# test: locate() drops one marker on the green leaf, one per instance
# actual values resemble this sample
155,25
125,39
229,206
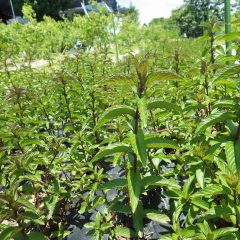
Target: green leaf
160,142
134,188
190,234
217,212
200,177
222,232
142,68
164,105
28,142
51,203
213,119
121,208
154,215
114,112
187,185
193,107
9,232
204,227
124,232
114,184
139,147
223,166
142,107
209,191
111,149
200,203
161,76
24,202
232,127
36,236
121,80
33,217
228,37
228,72
167,237
232,104
237,154
230,156
138,220
159,181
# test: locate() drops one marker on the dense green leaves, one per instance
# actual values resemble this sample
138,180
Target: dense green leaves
106,136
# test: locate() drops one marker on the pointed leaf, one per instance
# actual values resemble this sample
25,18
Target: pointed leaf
114,112
121,208
159,181
114,184
209,191
230,156
124,232
111,149
213,119
28,142
9,232
154,215
134,188
142,107
237,154
138,220
217,212
51,203
232,104
36,236
222,232
161,76
228,37
187,185
200,177
33,217
121,80
139,146
160,142
200,203
228,72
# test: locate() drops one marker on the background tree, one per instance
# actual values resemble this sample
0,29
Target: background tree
194,12
43,7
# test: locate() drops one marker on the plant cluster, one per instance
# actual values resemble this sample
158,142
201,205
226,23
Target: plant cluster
167,119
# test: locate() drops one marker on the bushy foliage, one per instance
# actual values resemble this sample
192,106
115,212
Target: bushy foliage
167,118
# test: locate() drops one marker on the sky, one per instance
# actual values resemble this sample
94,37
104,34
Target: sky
150,9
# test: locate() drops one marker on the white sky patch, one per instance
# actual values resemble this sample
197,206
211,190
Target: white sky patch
150,9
